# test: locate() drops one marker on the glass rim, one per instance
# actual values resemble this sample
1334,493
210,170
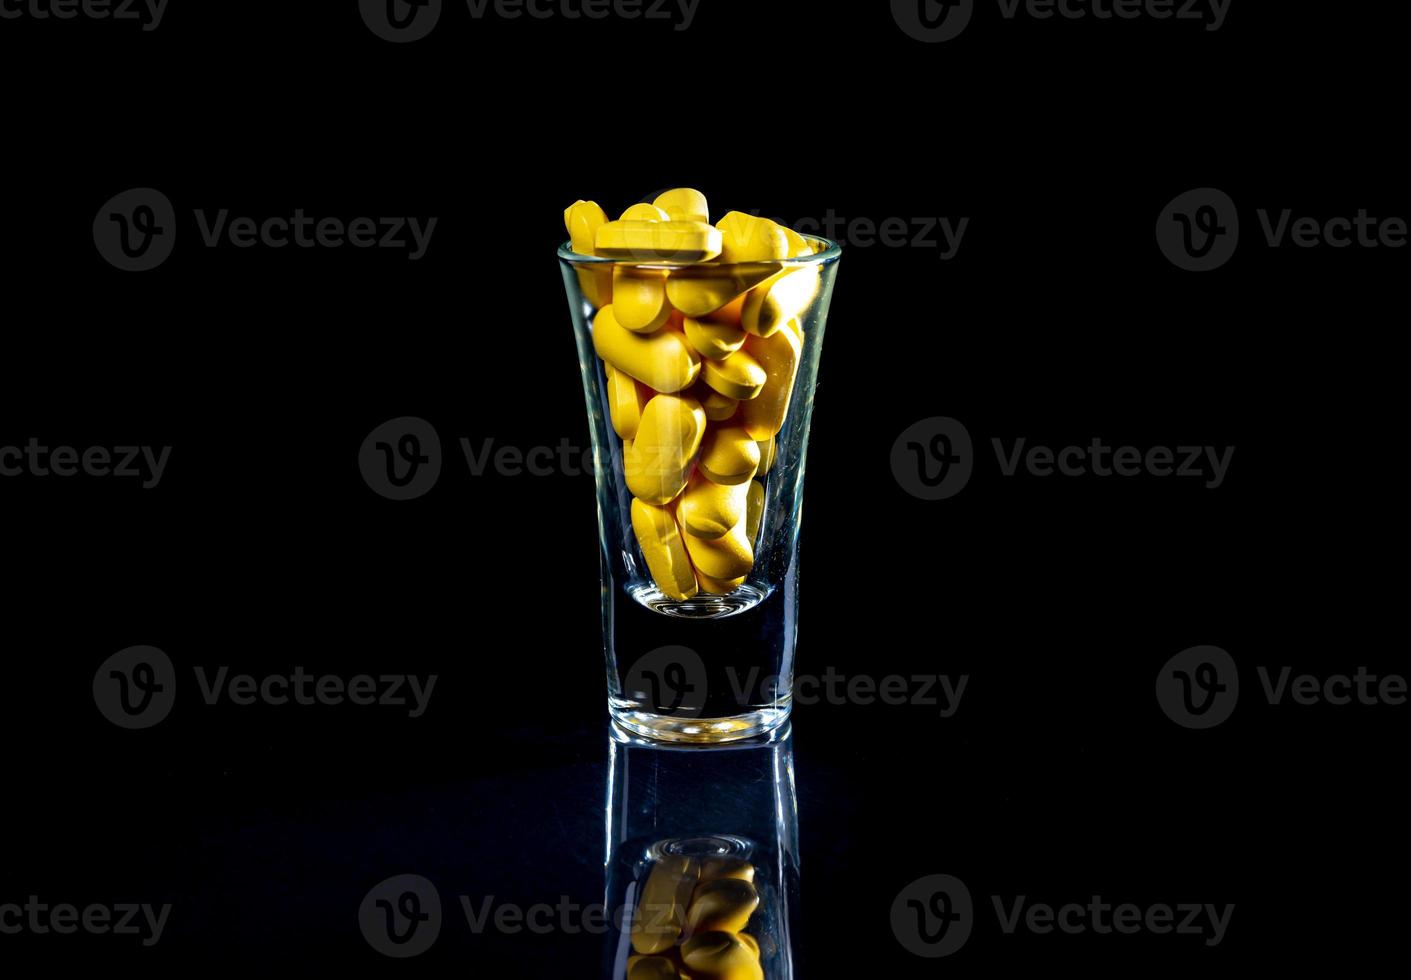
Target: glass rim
831,251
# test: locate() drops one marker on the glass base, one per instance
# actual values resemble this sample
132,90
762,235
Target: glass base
701,731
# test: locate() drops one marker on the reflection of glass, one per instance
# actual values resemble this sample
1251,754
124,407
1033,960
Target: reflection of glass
728,596
702,858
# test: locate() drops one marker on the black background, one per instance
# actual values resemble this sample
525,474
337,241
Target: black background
1058,320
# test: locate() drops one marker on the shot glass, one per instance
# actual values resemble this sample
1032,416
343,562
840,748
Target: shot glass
716,664
702,867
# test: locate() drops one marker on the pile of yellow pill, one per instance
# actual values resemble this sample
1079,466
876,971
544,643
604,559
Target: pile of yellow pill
690,921
700,331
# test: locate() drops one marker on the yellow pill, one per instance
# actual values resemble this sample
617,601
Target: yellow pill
661,911
627,398
644,212
779,355
767,450
651,968
658,241
754,510
798,245
708,509
664,550
715,586
726,867
702,289
739,376
729,456
747,238
583,219
719,334
722,905
662,360
684,204
667,440
779,299
721,956
639,298
723,558
718,407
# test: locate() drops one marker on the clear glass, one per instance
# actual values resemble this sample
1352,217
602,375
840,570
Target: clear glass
713,811
718,665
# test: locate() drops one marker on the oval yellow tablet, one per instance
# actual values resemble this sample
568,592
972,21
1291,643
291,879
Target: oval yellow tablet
721,956
639,298
651,968
729,456
658,241
724,905
748,238
661,910
702,289
684,204
738,376
767,450
627,397
664,449
718,407
715,586
754,510
726,867
719,334
779,299
582,220
708,509
662,360
664,550
725,558
644,212
779,354
798,245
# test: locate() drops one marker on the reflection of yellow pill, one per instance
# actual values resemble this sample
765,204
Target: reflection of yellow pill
661,911
729,455
644,212
664,550
664,449
708,509
721,956
662,360
726,867
684,204
651,968
639,298
627,398
767,450
779,299
748,238
779,355
739,376
658,241
723,905
723,558
754,510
